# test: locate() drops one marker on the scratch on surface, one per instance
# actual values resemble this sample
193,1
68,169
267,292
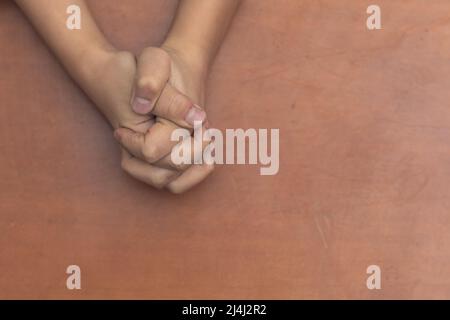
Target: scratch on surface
322,235
414,125
268,74
328,52
419,188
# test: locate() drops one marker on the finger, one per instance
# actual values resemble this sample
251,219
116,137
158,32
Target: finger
153,72
178,108
186,153
151,175
190,178
131,140
153,146
158,140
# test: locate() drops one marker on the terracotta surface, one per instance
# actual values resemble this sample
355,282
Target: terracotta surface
364,173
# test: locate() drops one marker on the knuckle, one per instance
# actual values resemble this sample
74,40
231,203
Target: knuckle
151,153
179,105
180,166
130,141
149,85
175,189
162,180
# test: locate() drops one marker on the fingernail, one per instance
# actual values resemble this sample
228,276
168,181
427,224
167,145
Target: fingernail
195,115
141,105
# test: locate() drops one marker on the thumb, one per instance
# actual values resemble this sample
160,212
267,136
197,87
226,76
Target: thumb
153,72
178,108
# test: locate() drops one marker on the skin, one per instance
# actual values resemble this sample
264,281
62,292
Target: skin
144,101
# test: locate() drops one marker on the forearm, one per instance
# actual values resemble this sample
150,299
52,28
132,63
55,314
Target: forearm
200,26
77,50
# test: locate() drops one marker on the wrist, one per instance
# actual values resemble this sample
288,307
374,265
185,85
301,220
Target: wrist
106,76
92,60
198,58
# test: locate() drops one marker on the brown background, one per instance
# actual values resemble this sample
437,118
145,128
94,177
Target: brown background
364,177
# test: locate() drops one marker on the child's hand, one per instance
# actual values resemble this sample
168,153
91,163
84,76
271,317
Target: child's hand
162,78
169,86
146,154
157,66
